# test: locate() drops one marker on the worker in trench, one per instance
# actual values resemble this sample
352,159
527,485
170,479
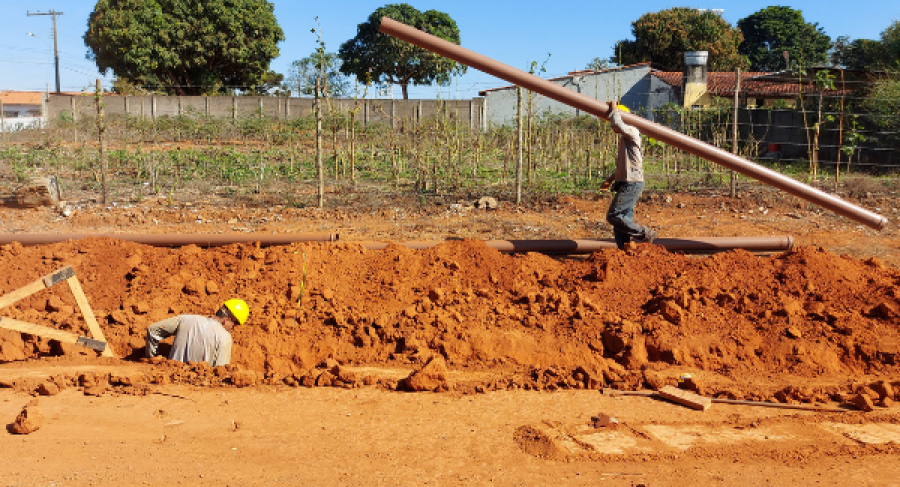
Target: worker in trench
199,338
627,182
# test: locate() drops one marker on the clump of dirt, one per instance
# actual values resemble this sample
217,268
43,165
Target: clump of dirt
802,325
29,420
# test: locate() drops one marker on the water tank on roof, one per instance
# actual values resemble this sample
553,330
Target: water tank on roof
696,58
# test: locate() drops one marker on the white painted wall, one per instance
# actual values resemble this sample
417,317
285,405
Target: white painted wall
633,87
18,123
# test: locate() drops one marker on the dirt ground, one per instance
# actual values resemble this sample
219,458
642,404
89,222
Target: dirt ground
510,355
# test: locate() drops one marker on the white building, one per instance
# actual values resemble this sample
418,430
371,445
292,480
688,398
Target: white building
632,86
22,109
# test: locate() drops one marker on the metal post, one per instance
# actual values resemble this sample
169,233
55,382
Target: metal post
734,127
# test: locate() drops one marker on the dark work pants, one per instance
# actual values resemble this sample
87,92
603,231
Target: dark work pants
621,212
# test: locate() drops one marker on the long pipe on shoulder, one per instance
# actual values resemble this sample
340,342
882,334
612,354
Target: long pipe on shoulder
646,127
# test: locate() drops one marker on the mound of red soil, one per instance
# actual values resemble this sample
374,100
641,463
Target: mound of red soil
621,318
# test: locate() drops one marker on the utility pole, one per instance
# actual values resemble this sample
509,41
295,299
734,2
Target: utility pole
54,14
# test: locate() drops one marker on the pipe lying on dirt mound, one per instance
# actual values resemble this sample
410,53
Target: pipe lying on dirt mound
574,246
176,240
586,246
600,109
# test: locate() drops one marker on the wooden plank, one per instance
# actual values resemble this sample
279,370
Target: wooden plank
42,331
39,285
685,398
51,333
21,293
88,313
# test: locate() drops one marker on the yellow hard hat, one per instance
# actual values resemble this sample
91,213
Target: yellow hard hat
238,309
624,109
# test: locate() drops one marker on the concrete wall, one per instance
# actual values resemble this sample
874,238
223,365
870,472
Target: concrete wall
392,112
633,87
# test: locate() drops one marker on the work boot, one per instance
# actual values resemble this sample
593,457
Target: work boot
649,235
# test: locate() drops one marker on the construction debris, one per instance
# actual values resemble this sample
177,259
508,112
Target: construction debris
685,398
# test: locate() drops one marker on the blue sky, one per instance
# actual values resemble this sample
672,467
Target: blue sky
513,32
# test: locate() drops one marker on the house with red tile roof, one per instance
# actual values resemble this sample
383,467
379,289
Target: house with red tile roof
644,90
22,103
22,109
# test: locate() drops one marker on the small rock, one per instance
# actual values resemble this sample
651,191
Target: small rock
48,389
212,287
604,420
487,203
119,316
54,303
243,378
430,377
344,374
863,402
325,379
884,389
794,332
29,420
868,391
96,390
886,402
195,287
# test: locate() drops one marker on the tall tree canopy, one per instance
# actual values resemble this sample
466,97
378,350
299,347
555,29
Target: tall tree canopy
187,47
856,54
305,71
663,37
373,56
773,30
890,40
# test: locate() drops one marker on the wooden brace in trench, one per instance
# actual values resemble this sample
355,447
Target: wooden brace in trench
98,342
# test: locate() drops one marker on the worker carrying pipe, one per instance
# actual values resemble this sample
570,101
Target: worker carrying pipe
646,127
199,338
627,182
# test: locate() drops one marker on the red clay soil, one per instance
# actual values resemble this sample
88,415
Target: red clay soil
806,325
518,342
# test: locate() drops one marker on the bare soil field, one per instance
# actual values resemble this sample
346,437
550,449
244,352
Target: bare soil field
459,364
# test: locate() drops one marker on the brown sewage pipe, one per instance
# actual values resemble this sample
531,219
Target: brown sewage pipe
600,109
586,246
575,246
173,240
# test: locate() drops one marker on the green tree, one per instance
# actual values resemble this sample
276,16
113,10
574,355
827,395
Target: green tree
598,64
378,57
663,37
187,47
319,64
773,30
856,54
883,106
890,41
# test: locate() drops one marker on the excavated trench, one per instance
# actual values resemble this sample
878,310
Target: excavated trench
805,325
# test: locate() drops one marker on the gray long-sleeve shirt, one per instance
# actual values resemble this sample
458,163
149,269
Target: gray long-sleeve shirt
630,157
197,338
